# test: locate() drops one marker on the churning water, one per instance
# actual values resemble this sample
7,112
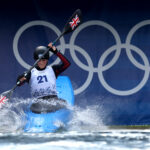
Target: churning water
77,140
84,132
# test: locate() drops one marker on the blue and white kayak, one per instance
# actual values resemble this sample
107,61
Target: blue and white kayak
52,121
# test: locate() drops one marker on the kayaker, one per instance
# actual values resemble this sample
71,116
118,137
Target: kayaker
42,78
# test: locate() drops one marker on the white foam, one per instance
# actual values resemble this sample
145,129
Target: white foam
86,119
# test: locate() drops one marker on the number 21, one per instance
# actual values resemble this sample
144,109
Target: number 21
42,79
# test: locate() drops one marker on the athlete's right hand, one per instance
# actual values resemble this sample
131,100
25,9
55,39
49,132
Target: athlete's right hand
21,80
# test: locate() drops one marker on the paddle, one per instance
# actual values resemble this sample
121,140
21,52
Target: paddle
73,22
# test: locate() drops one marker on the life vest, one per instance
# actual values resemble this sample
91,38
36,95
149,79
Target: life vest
43,82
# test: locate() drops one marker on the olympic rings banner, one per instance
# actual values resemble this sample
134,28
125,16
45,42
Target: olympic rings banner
109,53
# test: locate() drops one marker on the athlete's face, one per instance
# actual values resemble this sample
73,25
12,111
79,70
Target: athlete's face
42,63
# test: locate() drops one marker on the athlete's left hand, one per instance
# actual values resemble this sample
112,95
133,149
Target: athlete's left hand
52,48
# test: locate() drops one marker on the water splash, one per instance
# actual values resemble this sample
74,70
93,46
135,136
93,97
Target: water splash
86,119
12,115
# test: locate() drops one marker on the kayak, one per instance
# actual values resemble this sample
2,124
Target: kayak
52,121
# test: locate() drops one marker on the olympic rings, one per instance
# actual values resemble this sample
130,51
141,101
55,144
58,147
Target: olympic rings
127,92
25,27
90,68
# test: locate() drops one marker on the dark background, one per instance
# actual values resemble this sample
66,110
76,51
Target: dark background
94,40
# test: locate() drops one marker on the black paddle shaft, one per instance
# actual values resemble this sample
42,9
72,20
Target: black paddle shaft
76,20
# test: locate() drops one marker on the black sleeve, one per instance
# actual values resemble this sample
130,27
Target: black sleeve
62,66
28,77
